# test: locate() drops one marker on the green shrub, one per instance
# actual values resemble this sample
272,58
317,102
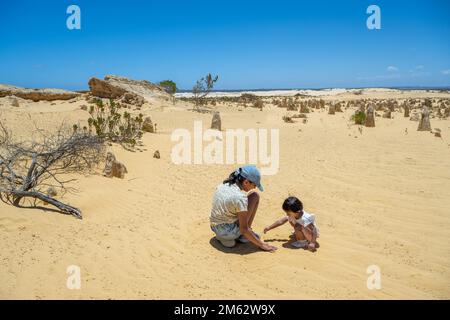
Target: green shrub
169,86
359,117
110,124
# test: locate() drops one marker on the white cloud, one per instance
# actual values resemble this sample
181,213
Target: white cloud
446,72
392,69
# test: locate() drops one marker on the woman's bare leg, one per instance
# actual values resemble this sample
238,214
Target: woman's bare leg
253,201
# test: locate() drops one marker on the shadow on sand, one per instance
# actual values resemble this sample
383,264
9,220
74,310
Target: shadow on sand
240,248
246,248
286,243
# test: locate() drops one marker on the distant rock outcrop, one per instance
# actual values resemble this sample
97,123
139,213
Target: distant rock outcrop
406,113
216,122
131,91
331,109
147,126
37,94
424,124
104,89
370,117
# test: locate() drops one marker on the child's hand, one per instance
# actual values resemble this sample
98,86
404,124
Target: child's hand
266,229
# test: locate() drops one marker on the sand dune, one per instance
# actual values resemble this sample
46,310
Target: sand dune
381,197
330,93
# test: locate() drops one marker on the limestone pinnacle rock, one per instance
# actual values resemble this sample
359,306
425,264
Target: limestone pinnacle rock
37,94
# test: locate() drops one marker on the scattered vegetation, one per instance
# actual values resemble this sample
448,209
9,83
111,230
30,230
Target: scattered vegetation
258,104
248,98
359,117
110,124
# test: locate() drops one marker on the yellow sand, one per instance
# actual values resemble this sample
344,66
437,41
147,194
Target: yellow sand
381,198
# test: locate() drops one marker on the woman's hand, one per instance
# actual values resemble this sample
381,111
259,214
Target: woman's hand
266,229
268,247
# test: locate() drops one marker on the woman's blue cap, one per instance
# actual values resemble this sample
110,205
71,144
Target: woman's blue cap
251,173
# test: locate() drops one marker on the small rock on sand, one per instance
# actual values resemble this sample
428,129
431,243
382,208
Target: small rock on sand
147,126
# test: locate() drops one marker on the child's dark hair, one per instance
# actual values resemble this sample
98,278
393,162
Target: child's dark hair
292,204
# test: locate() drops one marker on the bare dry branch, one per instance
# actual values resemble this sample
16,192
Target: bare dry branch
28,167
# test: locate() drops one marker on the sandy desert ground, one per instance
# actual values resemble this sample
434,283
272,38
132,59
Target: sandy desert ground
381,197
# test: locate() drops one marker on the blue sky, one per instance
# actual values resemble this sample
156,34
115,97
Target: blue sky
249,44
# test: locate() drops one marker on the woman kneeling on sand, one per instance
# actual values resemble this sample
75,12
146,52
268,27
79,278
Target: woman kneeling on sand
234,208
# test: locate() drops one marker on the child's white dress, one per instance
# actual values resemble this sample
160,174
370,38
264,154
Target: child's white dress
306,219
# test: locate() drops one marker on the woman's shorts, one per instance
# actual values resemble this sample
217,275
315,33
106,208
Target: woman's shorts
227,231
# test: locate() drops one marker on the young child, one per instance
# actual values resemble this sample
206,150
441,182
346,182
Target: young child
305,229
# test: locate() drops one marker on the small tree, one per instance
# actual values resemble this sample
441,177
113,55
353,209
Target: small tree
202,88
424,124
170,87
